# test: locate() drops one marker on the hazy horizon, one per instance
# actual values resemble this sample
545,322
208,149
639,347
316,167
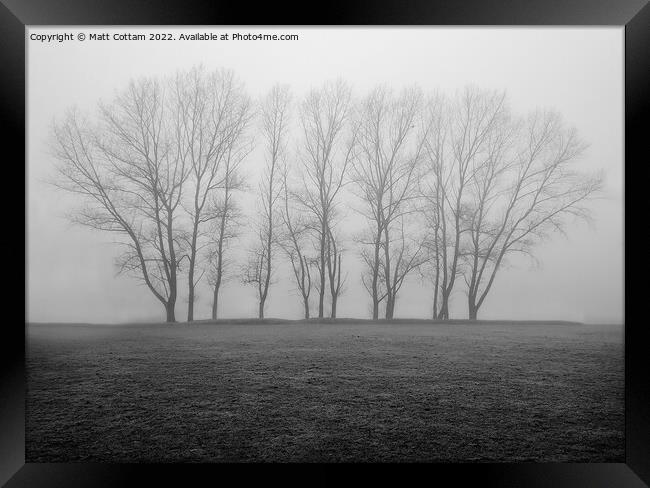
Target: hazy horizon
578,71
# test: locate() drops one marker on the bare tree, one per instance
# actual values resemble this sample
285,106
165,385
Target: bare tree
325,158
486,184
524,190
385,171
434,245
333,256
456,147
227,221
292,243
432,189
275,119
131,172
407,254
212,114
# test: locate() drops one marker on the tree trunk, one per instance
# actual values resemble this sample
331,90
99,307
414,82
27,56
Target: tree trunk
169,309
261,309
390,307
171,303
173,292
473,309
190,305
444,308
323,242
222,230
435,303
190,281
321,300
375,273
334,273
306,303
321,291
389,287
435,288
215,302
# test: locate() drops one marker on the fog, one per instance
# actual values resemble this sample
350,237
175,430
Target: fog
71,273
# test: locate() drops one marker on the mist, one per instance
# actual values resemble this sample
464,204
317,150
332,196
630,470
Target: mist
72,275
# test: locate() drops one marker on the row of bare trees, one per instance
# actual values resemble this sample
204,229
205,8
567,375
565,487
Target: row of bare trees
446,187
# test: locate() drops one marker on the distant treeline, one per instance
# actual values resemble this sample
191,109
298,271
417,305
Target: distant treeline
448,186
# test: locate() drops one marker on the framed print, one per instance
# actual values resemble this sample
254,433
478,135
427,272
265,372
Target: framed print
397,234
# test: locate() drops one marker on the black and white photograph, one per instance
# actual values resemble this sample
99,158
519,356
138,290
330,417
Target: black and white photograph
324,244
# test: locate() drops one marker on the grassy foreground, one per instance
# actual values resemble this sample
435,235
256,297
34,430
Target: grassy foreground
343,391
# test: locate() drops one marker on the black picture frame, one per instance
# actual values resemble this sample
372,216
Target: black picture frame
634,15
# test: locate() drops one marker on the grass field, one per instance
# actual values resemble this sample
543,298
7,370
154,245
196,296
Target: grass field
325,392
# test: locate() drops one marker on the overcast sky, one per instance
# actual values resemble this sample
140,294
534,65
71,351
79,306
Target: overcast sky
577,71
